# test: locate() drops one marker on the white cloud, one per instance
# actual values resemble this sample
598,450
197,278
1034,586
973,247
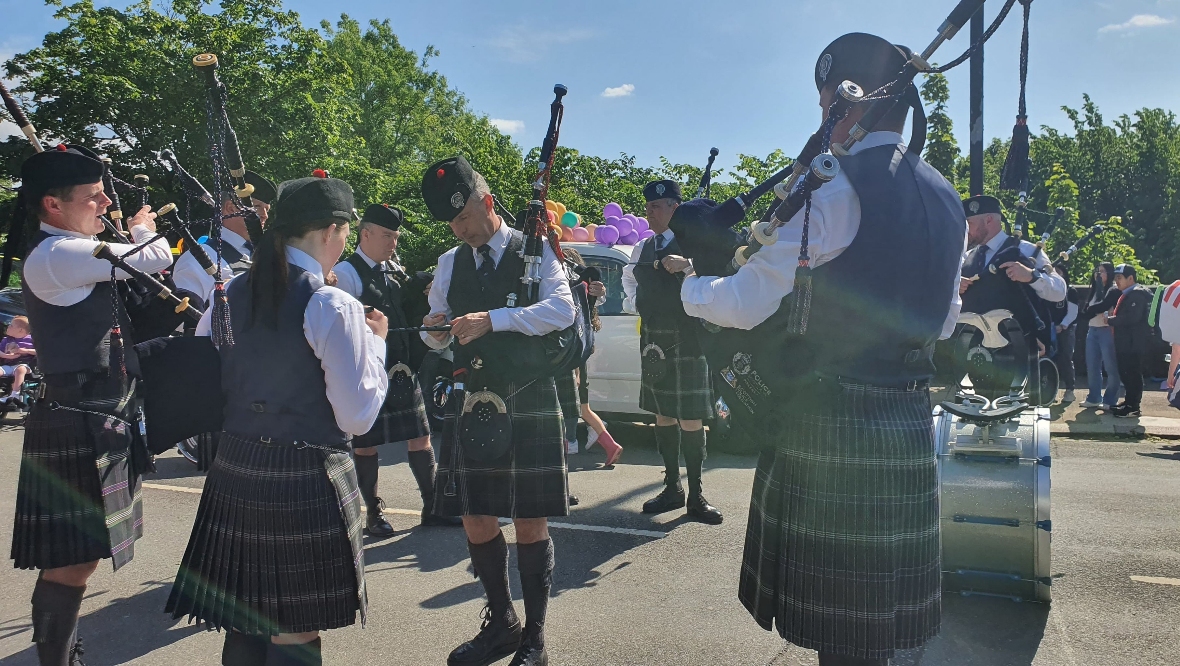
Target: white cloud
507,126
1136,22
624,90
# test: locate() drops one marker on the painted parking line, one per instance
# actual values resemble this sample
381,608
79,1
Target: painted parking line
650,534
1154,580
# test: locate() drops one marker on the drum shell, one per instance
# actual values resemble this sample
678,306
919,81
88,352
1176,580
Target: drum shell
995,506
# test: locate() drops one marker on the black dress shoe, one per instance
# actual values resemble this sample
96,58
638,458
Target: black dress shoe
700,509
497,638
376,525
574,501
530,654
670,499
432,520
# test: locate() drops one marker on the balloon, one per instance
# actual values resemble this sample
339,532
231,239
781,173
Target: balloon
624,226
570,219
561,210
612,210
646,234
593,233
580,234
629,239
551,205
591,227
630,217
552,217
567,235
612,220
607,235
641,225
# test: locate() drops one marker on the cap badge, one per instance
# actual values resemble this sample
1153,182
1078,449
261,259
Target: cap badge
660,188
457,200
825,67
974,206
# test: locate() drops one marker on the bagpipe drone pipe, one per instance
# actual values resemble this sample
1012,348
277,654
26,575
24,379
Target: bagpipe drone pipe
759,371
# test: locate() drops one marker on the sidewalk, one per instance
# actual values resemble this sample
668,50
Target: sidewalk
1159,419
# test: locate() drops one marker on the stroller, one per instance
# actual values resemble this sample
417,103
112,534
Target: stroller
23,401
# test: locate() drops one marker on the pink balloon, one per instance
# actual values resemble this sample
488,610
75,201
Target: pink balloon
580,234
629,239
607,235
624,226
646,234
612,209
567,234
641,225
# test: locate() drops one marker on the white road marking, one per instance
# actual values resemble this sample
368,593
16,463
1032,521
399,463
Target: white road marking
651,534
1156,581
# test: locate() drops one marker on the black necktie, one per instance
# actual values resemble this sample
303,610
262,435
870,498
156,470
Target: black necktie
978,262
659,242
488,266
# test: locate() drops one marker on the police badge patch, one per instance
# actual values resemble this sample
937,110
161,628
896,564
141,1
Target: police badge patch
457,200
825,67
741,363
660,188
974,206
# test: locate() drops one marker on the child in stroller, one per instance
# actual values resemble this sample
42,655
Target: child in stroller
18,357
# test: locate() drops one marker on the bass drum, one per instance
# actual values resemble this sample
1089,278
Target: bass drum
1048,382
994,487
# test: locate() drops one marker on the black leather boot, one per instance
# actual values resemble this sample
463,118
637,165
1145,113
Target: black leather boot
694,463
243,650
303,654
535,561
672,497
55,621
499,635
367,468
425,469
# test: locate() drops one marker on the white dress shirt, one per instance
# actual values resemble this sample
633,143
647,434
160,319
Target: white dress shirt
189,275
629,282
553,311
755,292
63,270
351,355
1169,312
1071,315
347,279
1050,286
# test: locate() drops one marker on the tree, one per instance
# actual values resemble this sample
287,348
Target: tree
942,150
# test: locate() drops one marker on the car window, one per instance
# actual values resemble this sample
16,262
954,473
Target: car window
612,277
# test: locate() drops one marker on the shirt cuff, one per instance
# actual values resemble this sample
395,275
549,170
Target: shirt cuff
501,320
381,348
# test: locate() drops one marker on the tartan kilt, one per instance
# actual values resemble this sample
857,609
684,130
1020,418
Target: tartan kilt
529,481
78,496
276,546
567,396
842,544
397,422
684,392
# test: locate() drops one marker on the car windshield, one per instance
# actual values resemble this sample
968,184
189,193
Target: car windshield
612,277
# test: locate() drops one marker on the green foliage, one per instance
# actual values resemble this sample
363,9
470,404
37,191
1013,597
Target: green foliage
942,150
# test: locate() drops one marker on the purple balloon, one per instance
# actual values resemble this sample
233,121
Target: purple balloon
606,235
641,225
646,234
612,209
629,239
630,217
612,220
624,226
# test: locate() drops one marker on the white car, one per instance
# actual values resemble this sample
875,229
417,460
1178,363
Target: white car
614,368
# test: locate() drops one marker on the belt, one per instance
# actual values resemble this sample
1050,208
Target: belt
297,444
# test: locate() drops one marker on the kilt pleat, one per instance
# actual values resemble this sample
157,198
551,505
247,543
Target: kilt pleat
684,392
272,548
74,505
842,543
399,420
567,396
529,481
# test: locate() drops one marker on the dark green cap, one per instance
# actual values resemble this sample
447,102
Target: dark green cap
308,199
446,187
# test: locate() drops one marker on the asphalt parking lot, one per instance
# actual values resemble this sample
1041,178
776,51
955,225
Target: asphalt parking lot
630,590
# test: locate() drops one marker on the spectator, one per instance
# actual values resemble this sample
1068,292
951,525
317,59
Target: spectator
1131,337
1065,315
16,349
1169,322
1100,354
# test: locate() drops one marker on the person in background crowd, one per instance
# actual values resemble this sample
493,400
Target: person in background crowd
1131,337
16,347
1100,354
1065,317
1169,323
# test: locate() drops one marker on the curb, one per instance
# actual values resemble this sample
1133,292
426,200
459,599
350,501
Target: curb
1157,426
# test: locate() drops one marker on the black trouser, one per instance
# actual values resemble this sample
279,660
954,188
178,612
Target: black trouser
1131,373
1064,358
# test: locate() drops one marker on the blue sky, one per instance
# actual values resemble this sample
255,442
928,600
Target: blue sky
673,79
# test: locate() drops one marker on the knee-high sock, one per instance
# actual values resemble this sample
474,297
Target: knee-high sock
366,477
55,620
535,561
303,654
243,650
668,443
424,468
490,561
693,444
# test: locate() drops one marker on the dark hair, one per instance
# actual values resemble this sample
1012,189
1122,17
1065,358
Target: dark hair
1098,289
576,259
268,274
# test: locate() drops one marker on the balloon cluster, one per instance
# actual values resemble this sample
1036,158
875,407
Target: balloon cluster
619,228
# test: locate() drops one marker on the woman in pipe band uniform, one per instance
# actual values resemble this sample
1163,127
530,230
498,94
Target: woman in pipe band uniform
78,497
528,482
675,376
368,275
275,554
842,544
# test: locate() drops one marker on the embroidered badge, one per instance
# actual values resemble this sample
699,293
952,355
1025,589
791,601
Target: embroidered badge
974,206
825,67
457,200
741,363
660,188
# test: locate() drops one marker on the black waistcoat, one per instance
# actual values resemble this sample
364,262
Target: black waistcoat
238,262
657,292
994,291
77,338
273,382
383,293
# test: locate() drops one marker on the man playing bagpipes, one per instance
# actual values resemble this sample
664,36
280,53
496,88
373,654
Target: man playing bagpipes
505,456
842,545
78,497
369,275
